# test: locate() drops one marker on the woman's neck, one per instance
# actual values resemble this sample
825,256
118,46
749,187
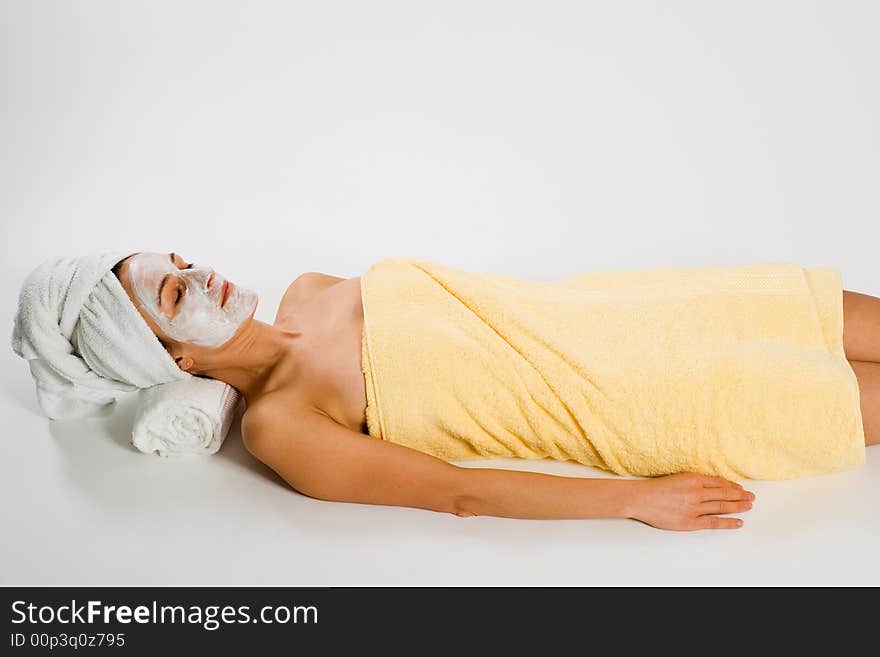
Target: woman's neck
253,360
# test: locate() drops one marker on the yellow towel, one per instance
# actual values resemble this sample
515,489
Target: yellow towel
737,371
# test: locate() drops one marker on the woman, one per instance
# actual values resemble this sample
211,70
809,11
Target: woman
303,378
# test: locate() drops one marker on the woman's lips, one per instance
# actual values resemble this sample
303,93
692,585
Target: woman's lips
225,291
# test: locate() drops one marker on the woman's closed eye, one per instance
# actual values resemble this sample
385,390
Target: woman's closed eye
170,298
179,293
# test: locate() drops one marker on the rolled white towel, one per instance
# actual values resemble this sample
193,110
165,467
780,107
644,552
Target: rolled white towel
190,416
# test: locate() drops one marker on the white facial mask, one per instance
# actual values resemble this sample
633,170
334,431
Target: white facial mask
198,317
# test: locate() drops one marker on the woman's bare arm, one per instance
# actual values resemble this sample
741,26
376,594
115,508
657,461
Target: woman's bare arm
323,459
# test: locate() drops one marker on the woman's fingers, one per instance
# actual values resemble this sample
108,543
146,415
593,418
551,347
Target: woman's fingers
718,482
714,522
729,494
719,506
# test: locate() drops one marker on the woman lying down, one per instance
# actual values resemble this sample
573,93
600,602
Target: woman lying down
681,380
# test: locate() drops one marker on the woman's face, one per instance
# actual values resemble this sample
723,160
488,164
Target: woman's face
189,303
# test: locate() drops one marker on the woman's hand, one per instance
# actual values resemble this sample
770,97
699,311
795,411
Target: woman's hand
689,501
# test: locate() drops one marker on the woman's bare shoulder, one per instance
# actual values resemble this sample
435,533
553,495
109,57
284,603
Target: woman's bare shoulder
271,415
303,288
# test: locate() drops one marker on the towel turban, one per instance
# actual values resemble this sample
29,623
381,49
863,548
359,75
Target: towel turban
84,340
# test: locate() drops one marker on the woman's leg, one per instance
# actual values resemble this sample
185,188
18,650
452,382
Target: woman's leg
861,327
868,376
861,342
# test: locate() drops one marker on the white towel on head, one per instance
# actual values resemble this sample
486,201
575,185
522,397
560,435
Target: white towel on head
85,342
191,416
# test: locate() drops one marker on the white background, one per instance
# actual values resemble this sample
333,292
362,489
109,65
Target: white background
535,139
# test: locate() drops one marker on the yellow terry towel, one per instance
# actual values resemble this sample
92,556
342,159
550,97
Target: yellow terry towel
737,371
